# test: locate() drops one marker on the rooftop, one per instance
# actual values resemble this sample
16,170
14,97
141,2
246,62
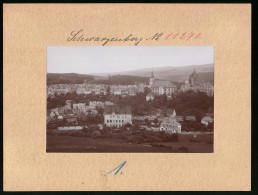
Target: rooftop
163,84
117,109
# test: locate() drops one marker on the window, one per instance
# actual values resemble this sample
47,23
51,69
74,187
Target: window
107,120
122,121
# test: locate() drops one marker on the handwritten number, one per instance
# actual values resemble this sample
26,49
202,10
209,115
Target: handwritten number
119,167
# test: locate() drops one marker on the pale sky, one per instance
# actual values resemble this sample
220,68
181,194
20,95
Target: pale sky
110,59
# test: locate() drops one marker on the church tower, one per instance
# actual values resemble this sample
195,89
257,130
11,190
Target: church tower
193,78
152,79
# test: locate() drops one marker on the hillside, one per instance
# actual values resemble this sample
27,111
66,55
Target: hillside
176,73
66,78
73,78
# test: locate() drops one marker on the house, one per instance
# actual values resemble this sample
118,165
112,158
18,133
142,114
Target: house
165,112
169,97
180,118
209,114
95,104
79,108
100,126
71,118
149,97
117,115
92,112
170,125
190,118
69,103
108,103
206,120
169,112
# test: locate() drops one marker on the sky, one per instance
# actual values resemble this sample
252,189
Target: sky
110,59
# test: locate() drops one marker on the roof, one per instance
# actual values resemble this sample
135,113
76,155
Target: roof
150,95
166,111
163,84
117,109
170,120
70,116
207,118
190,117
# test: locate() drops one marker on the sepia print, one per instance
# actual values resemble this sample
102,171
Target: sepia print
117,99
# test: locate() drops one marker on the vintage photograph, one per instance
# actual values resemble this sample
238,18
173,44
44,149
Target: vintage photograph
130,99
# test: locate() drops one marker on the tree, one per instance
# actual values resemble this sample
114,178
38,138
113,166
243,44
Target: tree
147,91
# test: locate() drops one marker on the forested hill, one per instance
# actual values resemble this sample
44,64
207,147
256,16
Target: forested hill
67,78
73,78
124,80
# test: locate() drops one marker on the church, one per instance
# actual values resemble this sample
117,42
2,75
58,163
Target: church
195,84
161,87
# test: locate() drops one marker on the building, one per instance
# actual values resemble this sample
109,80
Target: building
69,103
149,97
205,87
190,118
195,84
71,118
206,120
117,116
95,104
170,125
161,87
180,118
79,108
165,112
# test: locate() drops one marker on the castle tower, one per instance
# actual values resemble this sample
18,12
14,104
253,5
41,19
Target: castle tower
152,79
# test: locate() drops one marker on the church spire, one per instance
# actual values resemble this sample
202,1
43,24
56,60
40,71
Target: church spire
152,75
194,73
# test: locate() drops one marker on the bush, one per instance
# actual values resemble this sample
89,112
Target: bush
95,134
49,132
152,139
171,138
157,145
194,140
183,149
170,147
209,142
60,133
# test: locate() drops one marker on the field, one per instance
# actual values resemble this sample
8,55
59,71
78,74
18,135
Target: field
186,144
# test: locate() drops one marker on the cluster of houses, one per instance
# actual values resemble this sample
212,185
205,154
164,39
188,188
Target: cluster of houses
95,89
71,109
118,116
161,87
156,86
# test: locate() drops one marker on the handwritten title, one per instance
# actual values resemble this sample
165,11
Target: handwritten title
80,36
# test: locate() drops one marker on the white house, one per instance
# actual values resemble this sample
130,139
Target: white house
170,125
206,120
79,108
149,97
117,115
